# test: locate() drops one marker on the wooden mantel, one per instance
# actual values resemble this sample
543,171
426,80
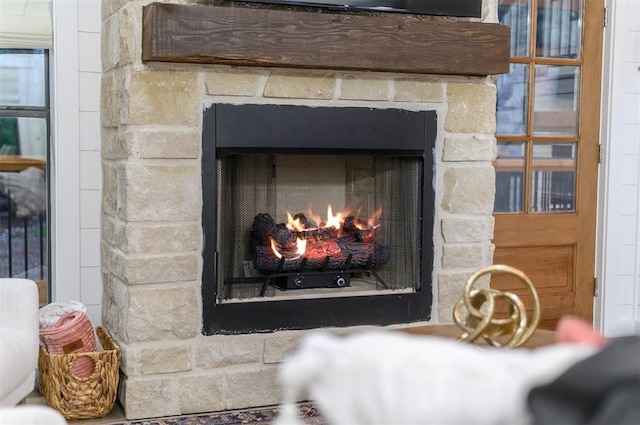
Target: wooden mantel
240,35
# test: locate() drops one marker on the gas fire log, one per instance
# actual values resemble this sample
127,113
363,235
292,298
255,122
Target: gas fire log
328,248
266,262
353,225
264,228
285,236
262,224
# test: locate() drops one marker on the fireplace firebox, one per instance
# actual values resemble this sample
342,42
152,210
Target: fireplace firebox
316,217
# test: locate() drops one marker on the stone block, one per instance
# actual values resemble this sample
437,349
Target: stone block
129,359
469,190
300,86
365,88
203,392
176,143
465,230
451,290
106,252
165,143
491,223
163,313
163,237
157,192
462,256
161,268
113,231
110,91
111,6
472,108
223,351
418,91
489,11
114,260
474,148
112,314
165,357
112,146
109,189
115,301
229,82
278,348
164,97
150,397
118,41
252,387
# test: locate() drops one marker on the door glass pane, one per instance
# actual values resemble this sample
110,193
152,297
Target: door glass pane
556,100
553,172
559,28
23,77
511,107
509,166
516,15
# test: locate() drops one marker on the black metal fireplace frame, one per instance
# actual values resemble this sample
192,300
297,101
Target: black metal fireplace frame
325,130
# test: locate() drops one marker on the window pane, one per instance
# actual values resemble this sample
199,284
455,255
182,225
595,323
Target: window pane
22,77
24,117
509,166
516,15
553,177
558,31
512,100
556,100
24,136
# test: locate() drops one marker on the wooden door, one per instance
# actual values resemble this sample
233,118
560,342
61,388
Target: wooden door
548,151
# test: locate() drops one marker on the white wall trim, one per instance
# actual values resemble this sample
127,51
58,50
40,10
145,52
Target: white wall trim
65,176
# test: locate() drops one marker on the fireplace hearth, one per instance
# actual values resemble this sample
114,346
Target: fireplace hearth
267,269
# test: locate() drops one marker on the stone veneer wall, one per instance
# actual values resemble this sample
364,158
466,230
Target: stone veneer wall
151,228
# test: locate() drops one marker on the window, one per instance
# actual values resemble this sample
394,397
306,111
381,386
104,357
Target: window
24,143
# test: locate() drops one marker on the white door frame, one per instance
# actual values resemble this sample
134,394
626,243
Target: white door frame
616,310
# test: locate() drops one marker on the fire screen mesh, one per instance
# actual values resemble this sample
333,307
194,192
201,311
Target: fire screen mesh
375,249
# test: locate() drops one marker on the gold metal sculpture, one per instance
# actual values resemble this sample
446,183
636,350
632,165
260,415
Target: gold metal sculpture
481,320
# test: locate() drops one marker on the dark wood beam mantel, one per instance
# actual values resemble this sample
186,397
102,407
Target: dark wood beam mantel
247,36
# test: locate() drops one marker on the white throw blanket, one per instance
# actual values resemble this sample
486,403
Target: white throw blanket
386,377
50,313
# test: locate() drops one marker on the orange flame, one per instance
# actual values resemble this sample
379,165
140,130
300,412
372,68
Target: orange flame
294,224
300,243
373,219
334,221
274,248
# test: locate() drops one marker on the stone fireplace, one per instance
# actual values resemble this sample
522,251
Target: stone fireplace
154,256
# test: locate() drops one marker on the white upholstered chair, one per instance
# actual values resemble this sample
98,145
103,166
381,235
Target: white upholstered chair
31,415
18,339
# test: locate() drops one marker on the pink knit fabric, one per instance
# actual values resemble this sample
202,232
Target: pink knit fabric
72,333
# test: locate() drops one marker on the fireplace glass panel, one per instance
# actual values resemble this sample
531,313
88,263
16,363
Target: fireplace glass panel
377,251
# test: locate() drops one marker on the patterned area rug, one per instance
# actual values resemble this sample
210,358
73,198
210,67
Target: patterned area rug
264,416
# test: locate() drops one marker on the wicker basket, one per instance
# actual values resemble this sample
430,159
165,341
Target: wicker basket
77,397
